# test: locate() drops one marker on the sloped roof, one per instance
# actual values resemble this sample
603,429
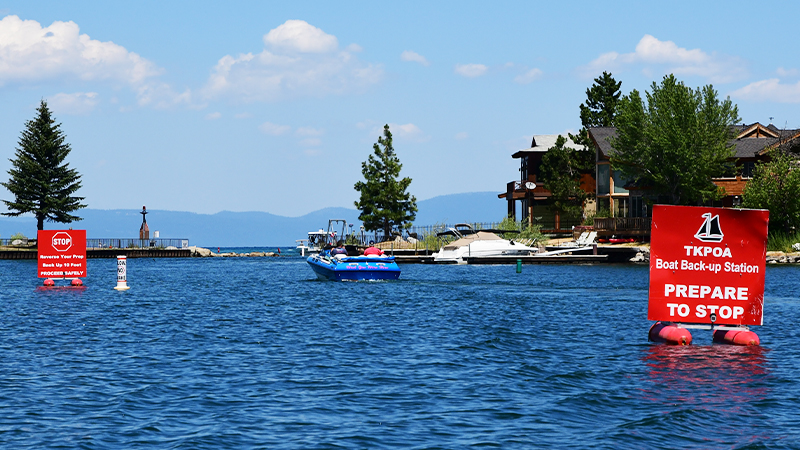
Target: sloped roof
601,135
543,142
746,147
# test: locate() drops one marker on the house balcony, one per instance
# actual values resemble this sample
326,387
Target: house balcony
622,226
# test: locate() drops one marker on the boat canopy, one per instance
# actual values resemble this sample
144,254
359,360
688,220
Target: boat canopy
466,240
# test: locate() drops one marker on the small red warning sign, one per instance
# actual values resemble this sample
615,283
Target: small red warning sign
61,253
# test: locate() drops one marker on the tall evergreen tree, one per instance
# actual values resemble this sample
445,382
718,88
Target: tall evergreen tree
561,173
600,109
676,142
41,182
384,203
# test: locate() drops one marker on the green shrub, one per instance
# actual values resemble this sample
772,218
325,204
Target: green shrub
525,231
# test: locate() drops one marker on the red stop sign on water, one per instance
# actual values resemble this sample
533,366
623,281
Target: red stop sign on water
61,253
62,241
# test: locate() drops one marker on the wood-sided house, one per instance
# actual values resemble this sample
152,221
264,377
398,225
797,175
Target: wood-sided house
531,192
626,202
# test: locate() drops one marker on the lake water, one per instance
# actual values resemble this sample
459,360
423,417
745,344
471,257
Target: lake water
255,353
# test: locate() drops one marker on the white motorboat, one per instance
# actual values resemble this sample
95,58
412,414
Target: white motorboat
478,243
317,240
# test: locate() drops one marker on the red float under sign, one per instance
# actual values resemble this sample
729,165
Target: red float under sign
707,265
62,253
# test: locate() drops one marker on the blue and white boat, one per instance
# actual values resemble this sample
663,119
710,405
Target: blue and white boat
354,268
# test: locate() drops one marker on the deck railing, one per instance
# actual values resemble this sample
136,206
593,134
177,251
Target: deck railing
623,225
137,243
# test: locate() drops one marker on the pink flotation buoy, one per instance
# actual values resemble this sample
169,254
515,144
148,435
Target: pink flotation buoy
76,282
736,337
669,334
49,282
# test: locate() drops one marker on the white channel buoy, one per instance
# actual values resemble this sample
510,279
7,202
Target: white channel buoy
122,273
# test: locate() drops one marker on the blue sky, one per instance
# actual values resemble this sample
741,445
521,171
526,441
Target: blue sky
272,106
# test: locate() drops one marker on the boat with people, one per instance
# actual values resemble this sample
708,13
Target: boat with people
339,262
479,243
354,268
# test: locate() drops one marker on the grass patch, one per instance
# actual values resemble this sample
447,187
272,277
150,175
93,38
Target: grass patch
780,241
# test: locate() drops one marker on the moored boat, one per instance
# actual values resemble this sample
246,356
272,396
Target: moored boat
354,268
481,243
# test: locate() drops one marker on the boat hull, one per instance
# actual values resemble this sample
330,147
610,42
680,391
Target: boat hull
361,268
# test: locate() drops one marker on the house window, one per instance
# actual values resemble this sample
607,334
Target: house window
603,181
638,207
602,207
524,168
619,182
621,207
747,169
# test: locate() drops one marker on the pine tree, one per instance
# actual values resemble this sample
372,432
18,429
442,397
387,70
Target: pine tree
600,109
384,203
561,173
41,182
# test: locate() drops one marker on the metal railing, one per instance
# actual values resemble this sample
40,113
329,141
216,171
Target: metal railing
17,242
137,243
622,224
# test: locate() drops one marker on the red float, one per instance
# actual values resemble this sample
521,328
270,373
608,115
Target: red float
736,337
669,334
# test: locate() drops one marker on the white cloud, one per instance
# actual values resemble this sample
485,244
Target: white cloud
308,131
410,56
76,103
654,56
300,36
782,72
471,70
29,51
408,131
244,115
311,142
160,95
299,60
771,90
461,136
32,53
274,129
214,115
528,77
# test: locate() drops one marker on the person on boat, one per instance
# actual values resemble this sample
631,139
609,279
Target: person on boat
339,251
373,251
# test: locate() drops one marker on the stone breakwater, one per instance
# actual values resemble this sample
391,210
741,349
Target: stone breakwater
643,256
783,258
206,253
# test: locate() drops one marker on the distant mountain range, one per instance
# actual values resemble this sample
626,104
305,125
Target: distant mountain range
242,229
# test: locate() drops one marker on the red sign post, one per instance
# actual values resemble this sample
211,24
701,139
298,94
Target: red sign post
707,265
62,253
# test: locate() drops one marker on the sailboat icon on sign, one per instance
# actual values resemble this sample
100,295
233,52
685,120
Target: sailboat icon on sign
710,230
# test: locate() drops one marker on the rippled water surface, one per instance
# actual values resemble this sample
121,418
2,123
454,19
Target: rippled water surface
255,353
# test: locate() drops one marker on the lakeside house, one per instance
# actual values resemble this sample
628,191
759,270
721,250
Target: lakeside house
531,192
622,203
625,203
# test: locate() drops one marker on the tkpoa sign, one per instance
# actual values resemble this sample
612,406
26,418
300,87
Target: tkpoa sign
62,253
707,265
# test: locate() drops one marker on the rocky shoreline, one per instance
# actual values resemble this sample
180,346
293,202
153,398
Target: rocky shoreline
643,256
